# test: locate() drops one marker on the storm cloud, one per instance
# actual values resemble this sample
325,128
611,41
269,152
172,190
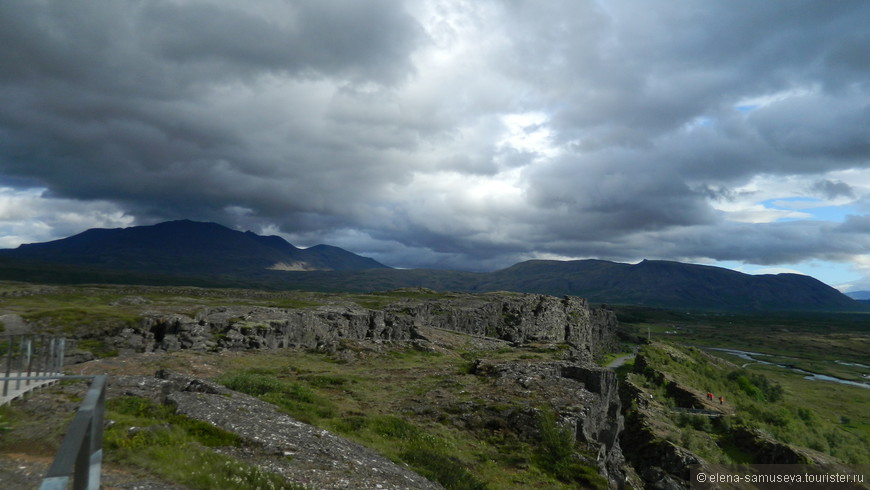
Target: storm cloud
447,133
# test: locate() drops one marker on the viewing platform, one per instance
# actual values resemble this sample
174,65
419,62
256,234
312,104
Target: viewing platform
16,384
29,362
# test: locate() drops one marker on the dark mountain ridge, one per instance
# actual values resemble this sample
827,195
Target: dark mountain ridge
208,254
188,247
671,284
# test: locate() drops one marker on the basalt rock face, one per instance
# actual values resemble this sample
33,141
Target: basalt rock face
661,464
585,399
519,318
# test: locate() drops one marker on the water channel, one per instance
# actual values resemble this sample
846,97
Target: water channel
753,357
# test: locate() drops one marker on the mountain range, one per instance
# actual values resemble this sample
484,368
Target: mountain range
188,248
209,254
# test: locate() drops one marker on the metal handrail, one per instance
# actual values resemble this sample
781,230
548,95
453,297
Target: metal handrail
80,456
29,357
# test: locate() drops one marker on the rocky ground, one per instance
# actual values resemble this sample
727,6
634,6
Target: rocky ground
23,466
276,442
544,348
279,444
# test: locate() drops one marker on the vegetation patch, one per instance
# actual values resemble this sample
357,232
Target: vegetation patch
175,447
98,348
296,398
381,400
558,456
4,421
762,398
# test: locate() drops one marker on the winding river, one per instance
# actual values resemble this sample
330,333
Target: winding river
754,357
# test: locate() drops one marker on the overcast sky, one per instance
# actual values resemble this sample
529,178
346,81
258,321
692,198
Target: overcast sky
450,133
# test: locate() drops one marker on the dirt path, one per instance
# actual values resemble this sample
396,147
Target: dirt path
619,361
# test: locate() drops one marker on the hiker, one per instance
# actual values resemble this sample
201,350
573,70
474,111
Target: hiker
721,400
709,396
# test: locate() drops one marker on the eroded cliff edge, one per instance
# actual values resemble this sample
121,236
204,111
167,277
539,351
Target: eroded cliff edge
518,318
512,395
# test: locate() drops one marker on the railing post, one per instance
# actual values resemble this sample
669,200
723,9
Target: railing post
51,354
8,364
96,437
20,362
29,358
81,452
40,368
26,361
60,355
82,469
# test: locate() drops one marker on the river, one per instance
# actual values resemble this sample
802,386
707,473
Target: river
753,357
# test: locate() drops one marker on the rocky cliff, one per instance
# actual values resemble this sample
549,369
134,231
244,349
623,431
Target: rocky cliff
661,464
584,397
509,398
518,318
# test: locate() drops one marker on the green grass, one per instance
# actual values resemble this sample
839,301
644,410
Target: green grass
298,399
825,417
393,436
376,301
557,455
176,448
4,420
96,347
80,319
372,400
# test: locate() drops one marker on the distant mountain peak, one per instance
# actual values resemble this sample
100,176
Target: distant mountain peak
189,247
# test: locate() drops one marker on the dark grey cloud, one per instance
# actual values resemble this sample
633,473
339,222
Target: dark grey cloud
172,48
833,189
446,133
360,41
153,104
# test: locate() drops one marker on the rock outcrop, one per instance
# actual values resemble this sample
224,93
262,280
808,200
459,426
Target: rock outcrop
767,450
585,399
518,318
660,463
